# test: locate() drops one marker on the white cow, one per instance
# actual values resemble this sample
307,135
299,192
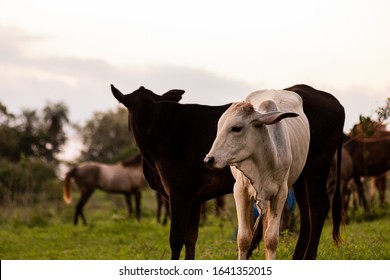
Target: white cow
265,140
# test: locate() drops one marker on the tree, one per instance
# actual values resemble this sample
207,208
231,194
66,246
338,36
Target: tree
384,111
55,117
368,126
29,144
107,138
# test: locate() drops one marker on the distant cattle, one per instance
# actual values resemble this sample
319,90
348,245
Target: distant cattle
265,140
162,203
345,177
123,178
370,157
173,139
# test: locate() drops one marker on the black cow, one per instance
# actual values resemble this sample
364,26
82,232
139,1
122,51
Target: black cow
326,119
173,139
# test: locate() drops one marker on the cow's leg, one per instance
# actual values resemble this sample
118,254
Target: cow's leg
319,206
301,196
192,231
80,205
159,205
380,184
244,207
360,190
274,214
180,213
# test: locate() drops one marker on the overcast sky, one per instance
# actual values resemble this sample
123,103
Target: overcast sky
218,51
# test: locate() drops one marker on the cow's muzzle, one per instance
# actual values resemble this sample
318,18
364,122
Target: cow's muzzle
209,161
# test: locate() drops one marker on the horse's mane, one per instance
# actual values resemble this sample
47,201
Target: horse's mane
136,161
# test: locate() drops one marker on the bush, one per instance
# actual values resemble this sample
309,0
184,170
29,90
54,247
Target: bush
27,182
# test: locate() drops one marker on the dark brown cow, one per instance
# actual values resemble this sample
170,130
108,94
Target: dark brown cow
173,139
371,157
345,176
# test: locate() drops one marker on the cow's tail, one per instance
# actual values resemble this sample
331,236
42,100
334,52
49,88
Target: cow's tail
68,185
257,235
337,208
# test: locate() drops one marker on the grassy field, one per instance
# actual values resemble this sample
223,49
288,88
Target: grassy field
46,232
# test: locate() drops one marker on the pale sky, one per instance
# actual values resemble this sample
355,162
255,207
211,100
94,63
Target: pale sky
218,51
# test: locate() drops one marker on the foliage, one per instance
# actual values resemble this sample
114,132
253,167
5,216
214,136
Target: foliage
29,145
384,111
33,134
368,126
107,138
26,181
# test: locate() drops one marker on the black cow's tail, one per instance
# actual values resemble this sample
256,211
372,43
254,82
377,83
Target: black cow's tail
257,235
338,214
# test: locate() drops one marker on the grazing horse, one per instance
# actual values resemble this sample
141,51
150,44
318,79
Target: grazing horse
168,135
124,178
265,140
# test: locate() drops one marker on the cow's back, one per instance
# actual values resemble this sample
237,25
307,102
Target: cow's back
297,128
326,119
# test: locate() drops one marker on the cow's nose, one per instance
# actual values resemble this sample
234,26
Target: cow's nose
209,161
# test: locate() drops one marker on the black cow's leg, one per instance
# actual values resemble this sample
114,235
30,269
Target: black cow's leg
301,195
319,208
192,231
180,212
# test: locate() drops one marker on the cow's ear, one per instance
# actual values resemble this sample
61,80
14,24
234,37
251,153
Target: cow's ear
173,95
117,94
271,117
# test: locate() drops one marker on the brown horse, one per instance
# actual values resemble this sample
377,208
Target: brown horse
124,178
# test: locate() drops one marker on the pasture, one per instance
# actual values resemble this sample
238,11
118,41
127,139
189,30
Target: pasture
46,232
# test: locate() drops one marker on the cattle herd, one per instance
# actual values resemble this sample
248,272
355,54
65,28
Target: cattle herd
257,149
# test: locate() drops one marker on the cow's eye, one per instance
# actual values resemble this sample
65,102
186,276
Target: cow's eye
236,128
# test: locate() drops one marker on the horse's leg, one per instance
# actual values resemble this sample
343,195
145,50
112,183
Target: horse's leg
80,205
128,203
138,204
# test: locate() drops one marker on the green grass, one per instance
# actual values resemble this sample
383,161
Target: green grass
46,232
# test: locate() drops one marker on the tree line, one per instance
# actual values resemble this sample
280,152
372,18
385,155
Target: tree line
31,143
